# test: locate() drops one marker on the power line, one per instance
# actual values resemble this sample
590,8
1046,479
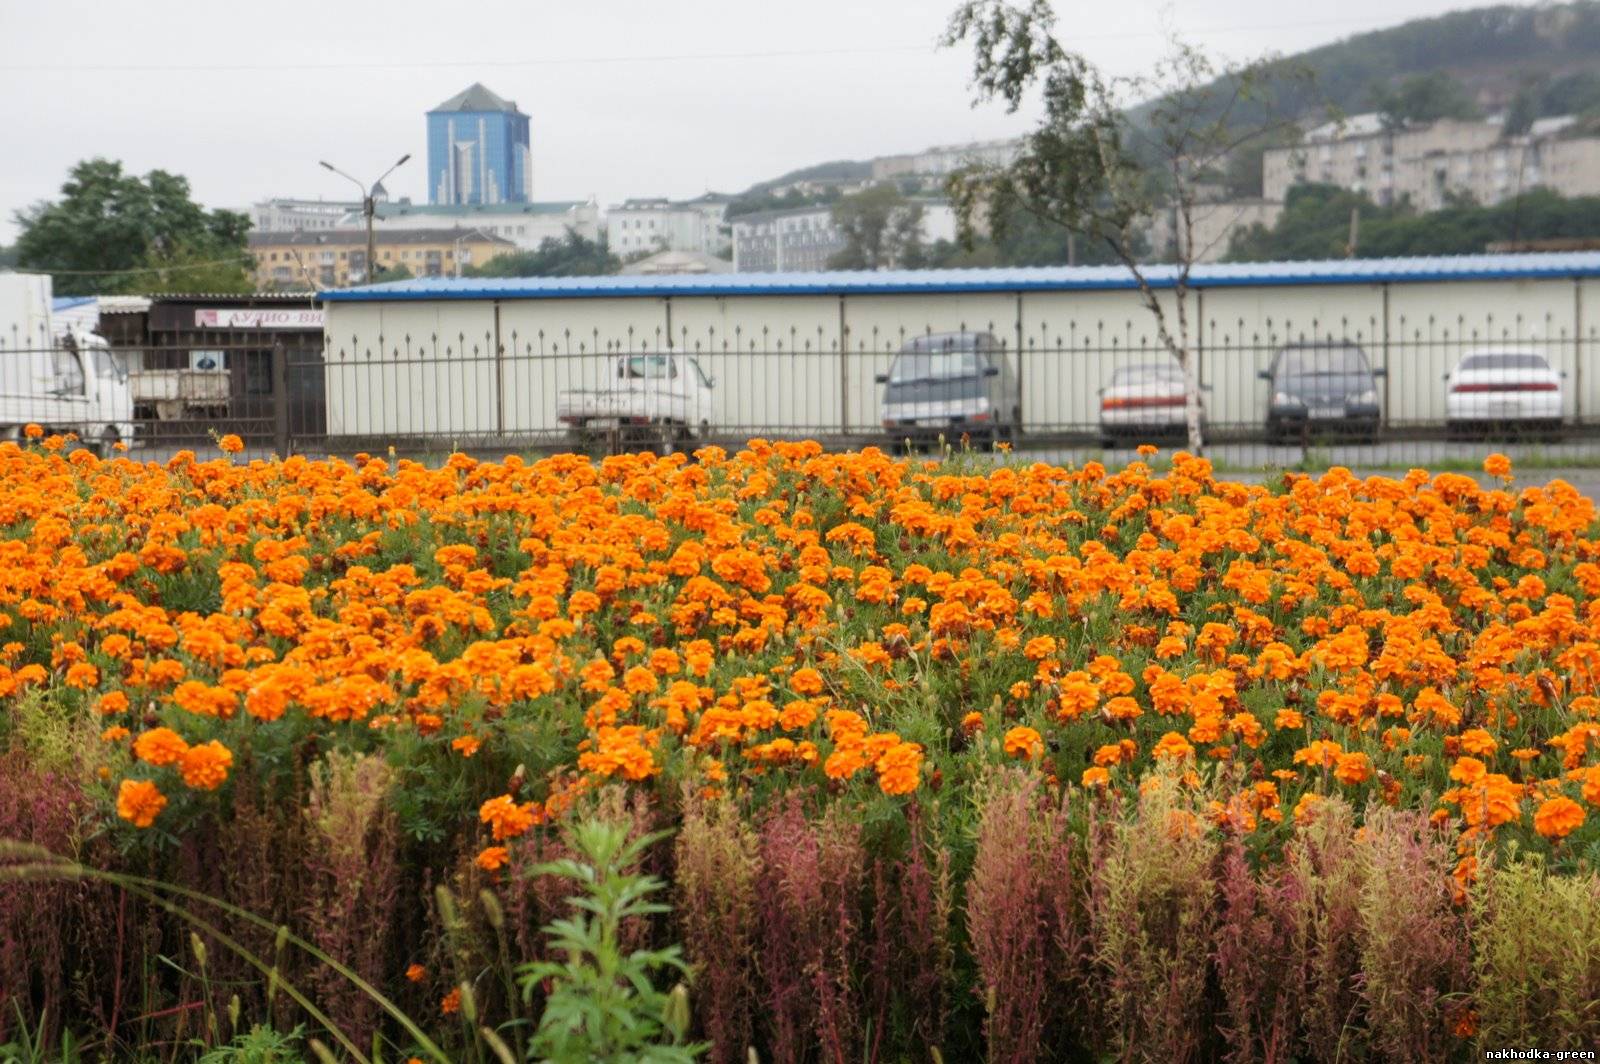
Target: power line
610,60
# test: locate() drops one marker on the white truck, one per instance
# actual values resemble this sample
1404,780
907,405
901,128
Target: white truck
202,390
62,378
647,401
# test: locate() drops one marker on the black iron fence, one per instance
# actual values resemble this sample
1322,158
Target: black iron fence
1350,392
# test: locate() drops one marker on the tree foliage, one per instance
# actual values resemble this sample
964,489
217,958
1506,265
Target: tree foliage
881,228
574,255
1316,220
112,231
1424,98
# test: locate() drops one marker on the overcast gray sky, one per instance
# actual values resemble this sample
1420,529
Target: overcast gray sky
627,97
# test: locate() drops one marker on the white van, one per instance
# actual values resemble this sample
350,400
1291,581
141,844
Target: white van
63,379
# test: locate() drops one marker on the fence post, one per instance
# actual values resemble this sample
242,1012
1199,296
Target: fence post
1577,350
281,441
844,371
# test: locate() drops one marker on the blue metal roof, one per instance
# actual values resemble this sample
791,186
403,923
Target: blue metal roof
68,302
1510,267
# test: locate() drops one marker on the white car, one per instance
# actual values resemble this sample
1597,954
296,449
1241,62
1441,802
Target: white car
1142,401
1503,387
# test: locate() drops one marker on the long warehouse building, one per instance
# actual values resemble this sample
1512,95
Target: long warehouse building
800,354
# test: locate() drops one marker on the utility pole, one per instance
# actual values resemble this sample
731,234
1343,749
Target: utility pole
369,207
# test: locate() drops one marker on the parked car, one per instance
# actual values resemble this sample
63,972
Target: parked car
649,401
1503,387
1322,388
951,384
1143,401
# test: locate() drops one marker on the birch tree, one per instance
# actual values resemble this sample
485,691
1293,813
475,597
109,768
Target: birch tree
1111,151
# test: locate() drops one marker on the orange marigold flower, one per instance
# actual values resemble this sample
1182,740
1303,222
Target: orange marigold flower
972,721
112,702
159,746
1558,817
416,973
113,734
806,681
1497,465
450,1004
1172,747
32,431
466,745
140,802
82,675
230,444
899,768
1095,776
1023,741
492,858
1288,720
205,767
1352,769
506,818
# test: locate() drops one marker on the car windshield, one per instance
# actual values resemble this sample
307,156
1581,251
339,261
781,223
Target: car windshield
935,366
1152,372
647,367
1505,360
1306,361
108,364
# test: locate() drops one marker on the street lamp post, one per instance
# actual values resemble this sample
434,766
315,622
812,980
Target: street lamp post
368,209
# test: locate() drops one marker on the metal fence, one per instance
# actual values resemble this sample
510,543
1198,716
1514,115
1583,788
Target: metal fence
1348,392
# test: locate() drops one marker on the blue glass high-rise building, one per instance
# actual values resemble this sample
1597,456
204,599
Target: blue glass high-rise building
478,151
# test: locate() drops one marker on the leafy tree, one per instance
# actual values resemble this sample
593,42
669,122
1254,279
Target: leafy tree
754,201
574,255
8,257
881,229
1424,98
398,272
112,232
1091,167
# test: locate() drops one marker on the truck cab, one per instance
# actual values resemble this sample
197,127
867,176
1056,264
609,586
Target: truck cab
64,379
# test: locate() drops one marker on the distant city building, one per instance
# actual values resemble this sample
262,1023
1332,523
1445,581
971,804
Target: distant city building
285,215
663,262
805,238
1431,162
940,162
798,240
650,225
527,225
336,258
478,150
1213,226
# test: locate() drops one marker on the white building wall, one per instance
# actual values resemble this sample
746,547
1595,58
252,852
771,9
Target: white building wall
778,364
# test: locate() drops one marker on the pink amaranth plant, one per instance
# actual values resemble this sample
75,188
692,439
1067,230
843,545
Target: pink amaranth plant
1009,921
717,860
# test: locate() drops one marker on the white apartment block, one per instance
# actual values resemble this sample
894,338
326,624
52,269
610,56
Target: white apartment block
526,225
945,160
284,215
803,239
1429,163
646,226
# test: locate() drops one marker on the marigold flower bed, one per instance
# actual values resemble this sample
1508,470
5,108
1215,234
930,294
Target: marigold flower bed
819,646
